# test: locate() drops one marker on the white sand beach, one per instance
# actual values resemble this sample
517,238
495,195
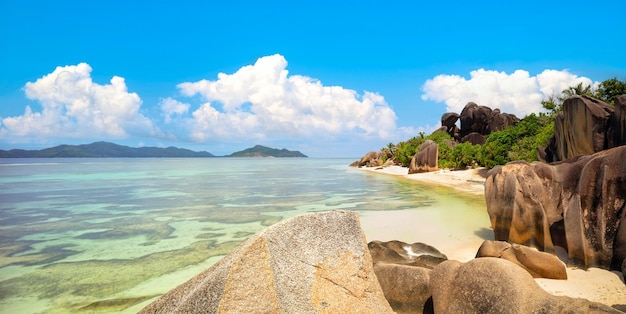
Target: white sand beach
593,284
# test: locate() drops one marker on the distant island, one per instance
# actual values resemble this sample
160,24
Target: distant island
102,150
263,151
111,150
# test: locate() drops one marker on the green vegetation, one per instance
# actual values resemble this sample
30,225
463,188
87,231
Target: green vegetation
517,142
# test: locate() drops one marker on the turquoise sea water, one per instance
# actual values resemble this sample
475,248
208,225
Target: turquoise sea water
110,235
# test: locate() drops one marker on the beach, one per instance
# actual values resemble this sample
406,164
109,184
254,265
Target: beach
594,284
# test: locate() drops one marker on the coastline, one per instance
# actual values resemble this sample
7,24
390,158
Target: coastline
593,284
470,180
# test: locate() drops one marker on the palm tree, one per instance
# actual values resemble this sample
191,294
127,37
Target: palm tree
577,90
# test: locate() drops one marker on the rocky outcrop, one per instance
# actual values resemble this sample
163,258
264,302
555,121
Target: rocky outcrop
494,285
579,204
314,263
537,264
403,271
474,138
426,159
398,252
371,159
474,118
586,126
618,123
448,124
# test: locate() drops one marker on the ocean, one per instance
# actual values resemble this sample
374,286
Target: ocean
110,235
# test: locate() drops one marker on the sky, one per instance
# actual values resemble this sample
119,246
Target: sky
327,78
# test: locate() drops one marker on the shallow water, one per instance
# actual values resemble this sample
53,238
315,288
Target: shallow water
109,235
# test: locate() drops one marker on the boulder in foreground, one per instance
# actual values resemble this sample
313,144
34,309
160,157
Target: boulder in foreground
538,264
314,263
494,285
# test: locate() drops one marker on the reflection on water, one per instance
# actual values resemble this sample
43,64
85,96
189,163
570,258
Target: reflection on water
109,235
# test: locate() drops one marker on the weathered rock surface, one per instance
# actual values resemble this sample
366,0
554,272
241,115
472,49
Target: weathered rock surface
494,285
314,263
474,138
579,204
474,118
403,271
537,264
401,253
448,124
426,159
586,126
618,123
405,287
476,122
371,159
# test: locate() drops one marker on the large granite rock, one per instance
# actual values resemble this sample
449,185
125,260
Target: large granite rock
579,204
618,123
426,159
448,124
585,126
474,118
537,264
499,121
494,285
314,263
403,271
401,253
474,138
371,159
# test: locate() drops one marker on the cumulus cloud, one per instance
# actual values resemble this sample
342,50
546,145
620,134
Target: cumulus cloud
262,100
172,107
74,106
518,93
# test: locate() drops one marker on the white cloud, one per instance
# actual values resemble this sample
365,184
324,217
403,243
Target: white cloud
262,100
74,106
172,107
518,93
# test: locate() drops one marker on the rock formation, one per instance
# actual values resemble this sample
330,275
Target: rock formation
403,271
494,285
314,263
579,204
586,126
618,123
474,138
398,252
448,124
426,159
537,264
371,159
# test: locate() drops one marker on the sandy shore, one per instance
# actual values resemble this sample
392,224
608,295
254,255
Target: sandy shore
593,284
470,181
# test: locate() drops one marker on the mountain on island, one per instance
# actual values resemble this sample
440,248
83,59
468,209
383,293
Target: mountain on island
102,150
263,151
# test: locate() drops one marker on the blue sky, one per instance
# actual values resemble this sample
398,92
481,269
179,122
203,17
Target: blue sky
328,78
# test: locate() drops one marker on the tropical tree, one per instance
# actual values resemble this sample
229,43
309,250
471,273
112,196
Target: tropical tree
610,89
579,89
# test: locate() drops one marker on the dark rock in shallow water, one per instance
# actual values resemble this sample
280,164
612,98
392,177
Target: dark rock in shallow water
494,285
537,264
314,263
